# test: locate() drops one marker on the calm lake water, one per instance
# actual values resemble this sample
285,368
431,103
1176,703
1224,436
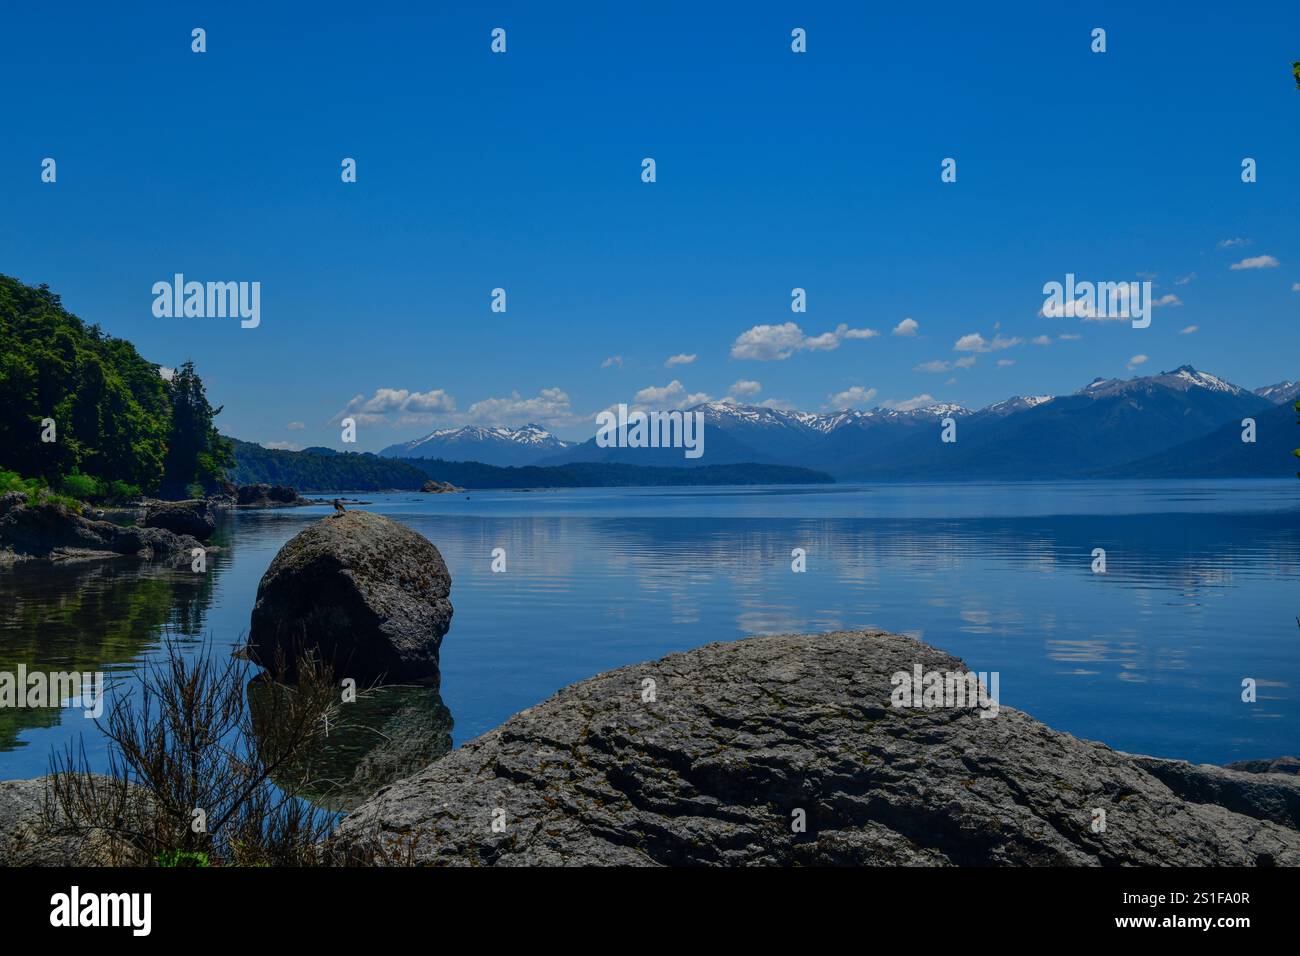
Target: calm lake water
1200,592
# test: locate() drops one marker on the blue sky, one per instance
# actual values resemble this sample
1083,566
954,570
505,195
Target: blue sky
774,170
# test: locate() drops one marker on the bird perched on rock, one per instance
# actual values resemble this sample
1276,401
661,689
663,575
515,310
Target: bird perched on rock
338,508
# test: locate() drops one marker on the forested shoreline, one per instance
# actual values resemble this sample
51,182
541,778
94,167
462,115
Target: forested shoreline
83,414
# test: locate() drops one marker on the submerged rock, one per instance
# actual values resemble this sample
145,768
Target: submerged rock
732,746
440,488
371,595
270,496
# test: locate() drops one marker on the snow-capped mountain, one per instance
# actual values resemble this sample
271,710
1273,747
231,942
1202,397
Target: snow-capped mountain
736,416
1283,393
1019,403
1181,379
1097,430
491,445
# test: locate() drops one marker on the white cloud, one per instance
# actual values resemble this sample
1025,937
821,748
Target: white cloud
907,328
1042,340
745,388
282,445
1167,299
612,361
974,342
672,395
385,402
296,426
1003,363
1069,337
1183,280
1135,361
822,343
857,395
165,373
1255,262
680,359
1189,330
936,366
1295,286
549,406
966,361
1231,243
844,332
766,343
430,402
910,404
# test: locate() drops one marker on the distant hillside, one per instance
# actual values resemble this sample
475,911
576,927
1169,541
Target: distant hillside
327,471
469,474
1222,453
320,470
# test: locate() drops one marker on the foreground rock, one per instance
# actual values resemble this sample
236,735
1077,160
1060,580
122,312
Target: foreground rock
1264,795
743,736
24,841
367,592
1287,765
193,517
50,532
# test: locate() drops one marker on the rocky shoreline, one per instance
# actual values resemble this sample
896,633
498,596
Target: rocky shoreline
778,750
151,528
50,532
744,739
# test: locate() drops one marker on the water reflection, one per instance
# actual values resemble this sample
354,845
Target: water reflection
1200,591
386,734
92,616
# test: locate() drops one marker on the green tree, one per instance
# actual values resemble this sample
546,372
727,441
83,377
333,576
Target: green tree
196,452
116,419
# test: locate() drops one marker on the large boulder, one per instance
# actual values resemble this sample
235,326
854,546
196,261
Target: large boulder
732,745
370,594
182,517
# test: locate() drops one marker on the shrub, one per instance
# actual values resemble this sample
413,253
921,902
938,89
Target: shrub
190,768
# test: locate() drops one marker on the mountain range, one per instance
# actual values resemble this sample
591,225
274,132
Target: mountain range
497,445
1181,423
